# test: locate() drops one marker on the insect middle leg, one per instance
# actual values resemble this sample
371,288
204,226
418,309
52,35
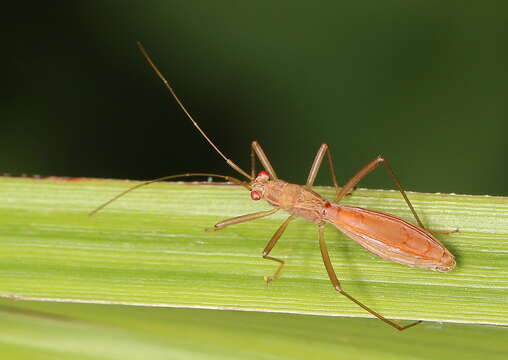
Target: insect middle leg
270,246
316,165
249,217
336,284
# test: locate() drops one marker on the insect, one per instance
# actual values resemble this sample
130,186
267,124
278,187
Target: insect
382,234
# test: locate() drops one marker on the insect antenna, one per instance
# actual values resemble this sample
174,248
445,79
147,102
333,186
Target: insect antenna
182,106
225,177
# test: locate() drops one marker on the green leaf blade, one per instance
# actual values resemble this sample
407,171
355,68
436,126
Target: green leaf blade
150,248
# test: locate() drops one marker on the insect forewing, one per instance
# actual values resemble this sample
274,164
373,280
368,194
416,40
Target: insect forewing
390,237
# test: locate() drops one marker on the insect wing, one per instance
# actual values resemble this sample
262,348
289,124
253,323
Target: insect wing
391,237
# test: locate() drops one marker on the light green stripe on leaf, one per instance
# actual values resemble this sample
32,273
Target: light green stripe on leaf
150,248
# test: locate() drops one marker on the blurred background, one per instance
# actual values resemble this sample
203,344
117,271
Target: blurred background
425,84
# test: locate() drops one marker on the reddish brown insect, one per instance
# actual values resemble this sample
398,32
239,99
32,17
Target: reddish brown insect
382,234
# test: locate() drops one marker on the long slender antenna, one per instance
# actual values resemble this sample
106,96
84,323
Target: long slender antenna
225,177
182,106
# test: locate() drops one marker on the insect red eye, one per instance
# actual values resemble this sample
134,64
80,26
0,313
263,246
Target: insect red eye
254,195
264,173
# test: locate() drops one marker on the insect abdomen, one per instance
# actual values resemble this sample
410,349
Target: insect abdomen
390,237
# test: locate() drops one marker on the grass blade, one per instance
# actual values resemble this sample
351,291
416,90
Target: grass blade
44,330
149,248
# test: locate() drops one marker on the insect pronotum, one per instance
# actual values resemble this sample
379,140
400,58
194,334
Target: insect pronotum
382,234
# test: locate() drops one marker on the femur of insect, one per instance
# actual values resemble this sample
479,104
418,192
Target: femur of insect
382,234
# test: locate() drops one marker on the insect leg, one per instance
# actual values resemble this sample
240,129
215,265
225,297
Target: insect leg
270,246
336,284
252,161
243,218
258,151
365,171
316,165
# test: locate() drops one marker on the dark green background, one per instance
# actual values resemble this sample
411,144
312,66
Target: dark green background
424,83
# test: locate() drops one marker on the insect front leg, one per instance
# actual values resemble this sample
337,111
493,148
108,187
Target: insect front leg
270,246
336,284
257,150
240,219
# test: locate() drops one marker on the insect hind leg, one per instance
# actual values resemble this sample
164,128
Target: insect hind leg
336,284
350,185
